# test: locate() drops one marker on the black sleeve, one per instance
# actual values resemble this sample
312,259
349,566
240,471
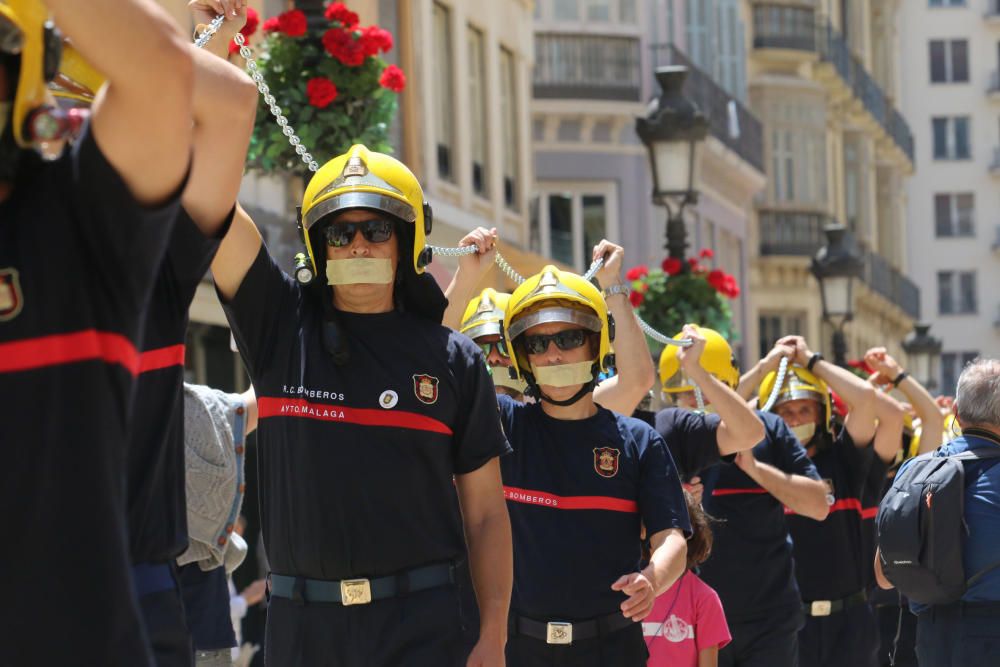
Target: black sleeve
267,303
691,438
127,239
858,459
478,436
661,499
794,459
190,253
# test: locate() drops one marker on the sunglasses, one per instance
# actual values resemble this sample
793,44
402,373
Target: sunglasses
339,235
501,346
564,340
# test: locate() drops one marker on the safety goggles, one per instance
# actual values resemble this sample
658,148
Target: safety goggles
501,346
564,340
339,235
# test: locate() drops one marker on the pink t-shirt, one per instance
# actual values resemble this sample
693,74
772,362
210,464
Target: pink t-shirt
687,618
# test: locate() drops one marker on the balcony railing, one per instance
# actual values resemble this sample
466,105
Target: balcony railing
572,66
729,121
794,233
799,28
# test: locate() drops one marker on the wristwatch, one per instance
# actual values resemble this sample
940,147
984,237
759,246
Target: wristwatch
899,378
813,360
619,288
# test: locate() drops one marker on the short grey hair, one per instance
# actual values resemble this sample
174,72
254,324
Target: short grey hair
977,398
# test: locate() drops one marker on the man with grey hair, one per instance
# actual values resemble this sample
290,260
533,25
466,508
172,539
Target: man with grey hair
967,632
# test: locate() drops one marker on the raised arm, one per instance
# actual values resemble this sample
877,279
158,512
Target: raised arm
750,380
142,118
623,392
858,394
225,102
236,254
470,273
796,492
931,419
740,427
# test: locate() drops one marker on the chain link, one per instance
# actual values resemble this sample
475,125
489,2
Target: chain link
307,158
779,382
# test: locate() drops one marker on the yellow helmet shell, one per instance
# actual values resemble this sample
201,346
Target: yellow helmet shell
553,285
29,17
799,383
717,359
77,79
484,314
361,178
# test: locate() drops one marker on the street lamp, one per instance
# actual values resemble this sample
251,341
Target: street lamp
836,266
313,9
673,132
924,351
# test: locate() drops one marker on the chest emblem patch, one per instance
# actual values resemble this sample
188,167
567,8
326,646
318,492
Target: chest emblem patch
11,299
606,461
426,388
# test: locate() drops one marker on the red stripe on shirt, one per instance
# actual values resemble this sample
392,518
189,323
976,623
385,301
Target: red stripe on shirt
61,349
164,357
846,504
296,407
529,497
869,512
735,492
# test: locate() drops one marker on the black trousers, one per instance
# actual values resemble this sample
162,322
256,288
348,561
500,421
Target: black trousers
768,640
623,648
166,628
847,638
953,637
906,647
421,629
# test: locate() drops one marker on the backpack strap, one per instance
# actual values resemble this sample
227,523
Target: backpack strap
977,454
982,573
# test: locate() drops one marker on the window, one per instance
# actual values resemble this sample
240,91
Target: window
949,61
443,92
952,364
566,10
598,10
773,326
508,111
587,11
947,3
477,107
570,219
953,214
951,138
957,292
796,145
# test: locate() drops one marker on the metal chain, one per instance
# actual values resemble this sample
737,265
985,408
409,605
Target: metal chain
779,382
307,158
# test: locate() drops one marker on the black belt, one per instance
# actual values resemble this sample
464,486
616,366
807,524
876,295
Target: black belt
362,591
827,607
563,632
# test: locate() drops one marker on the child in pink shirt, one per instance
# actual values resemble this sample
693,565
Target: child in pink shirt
687,626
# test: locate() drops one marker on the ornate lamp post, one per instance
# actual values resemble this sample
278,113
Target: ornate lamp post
924,351
673,133
836,266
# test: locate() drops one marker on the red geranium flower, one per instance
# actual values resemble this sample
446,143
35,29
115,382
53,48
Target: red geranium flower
340,13
321,92
707,253
272,24
253,20
637,272
342,45
393,79
375,39
292,23
636,299
717,279
671,266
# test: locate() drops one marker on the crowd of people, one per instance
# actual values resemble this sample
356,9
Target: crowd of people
458,477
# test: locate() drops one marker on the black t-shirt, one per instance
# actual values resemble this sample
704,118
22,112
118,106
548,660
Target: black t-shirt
77,259
157,515
828,554
751,564
691,437
576,492
871,496
206,607
356,461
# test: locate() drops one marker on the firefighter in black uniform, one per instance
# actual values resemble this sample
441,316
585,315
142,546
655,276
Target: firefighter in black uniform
368,409
81,237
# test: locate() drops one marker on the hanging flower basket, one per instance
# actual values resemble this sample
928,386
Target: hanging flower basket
331,84
672,295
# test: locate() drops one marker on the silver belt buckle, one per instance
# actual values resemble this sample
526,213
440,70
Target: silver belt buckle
820,608
355,591
558,632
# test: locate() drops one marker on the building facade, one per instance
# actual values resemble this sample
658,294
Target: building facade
593,75
951,93
823,77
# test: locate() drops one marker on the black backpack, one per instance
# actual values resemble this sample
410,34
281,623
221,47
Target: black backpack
921,527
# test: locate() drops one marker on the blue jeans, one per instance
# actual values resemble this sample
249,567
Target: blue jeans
959,635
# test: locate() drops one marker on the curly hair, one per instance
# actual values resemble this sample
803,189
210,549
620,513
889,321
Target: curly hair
700,543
